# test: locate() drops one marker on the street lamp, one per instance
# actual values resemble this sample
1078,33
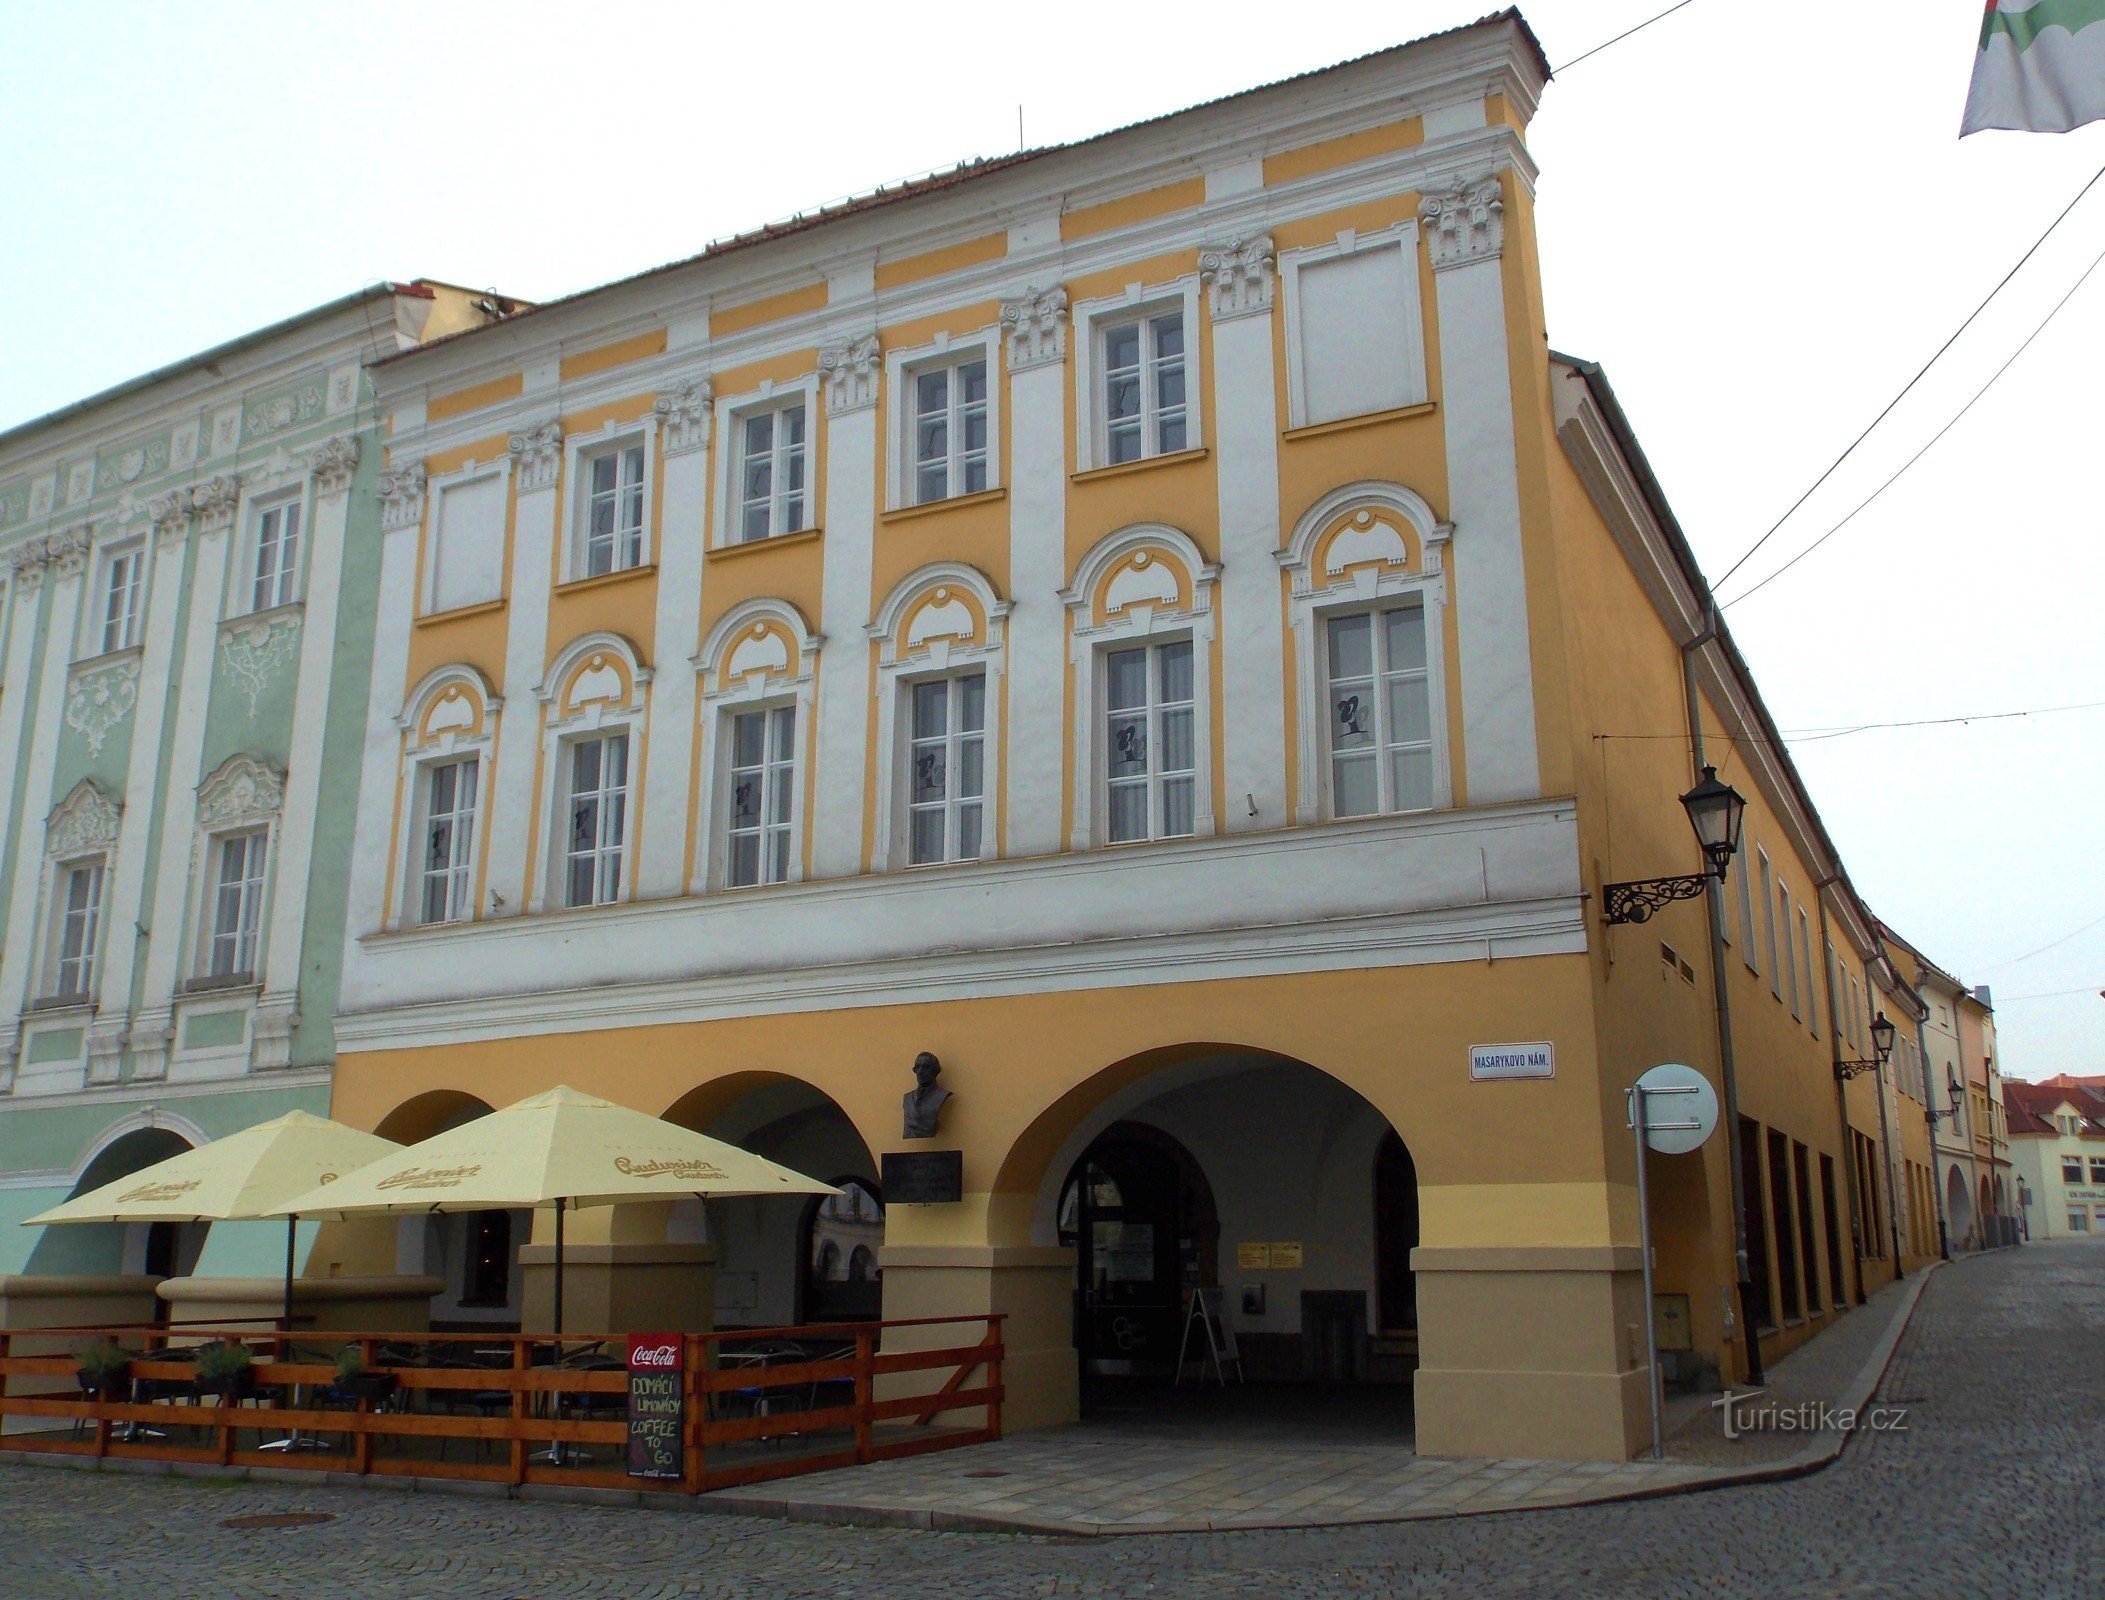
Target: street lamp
1954,1090
1882,1033
1715,810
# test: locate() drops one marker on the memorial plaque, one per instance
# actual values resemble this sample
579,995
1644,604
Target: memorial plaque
657,1406
923,1177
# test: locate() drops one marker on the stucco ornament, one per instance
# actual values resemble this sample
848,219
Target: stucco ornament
537,453
214,500
170,513
1035,328
333,462
685,413
255,650
850,371
26,564
240,790
1465,224
68,551
85,821
98,701
1239,277
402,496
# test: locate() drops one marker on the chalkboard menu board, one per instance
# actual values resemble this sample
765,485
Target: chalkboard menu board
657,1412
923,1177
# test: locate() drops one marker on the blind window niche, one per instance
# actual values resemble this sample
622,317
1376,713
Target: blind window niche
467,551
1358,338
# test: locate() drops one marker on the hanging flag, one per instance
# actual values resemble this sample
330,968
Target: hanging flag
2041,66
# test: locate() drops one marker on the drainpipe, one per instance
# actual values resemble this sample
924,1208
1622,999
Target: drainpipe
1728,1073
1886,1131
1834,1052
1929,1116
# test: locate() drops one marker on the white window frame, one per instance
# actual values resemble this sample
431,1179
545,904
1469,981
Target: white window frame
563,725
731,416
1786,913
53,986
954,740
99,643
1403,237
287,586
934,656
243,795
1090,642
902,368
435,503
1750,935
412,796
1315,596
210,936
1769,888
1379,752
1092,318
1153,708
583,450
772,771
458,873
724,695
622,851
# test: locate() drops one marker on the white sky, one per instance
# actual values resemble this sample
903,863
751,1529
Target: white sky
1759,218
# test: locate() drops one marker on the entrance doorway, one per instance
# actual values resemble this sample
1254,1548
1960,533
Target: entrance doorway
1140,1217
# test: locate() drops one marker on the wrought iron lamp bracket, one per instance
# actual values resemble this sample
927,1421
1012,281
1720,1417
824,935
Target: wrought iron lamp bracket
1637,900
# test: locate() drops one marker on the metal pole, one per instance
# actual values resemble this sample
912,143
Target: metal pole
1644,1244
559,1278
292,1222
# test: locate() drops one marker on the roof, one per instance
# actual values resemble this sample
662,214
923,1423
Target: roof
984,167
2029,1108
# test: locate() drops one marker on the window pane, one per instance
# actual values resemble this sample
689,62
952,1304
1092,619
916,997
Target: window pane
931,391
793,424
748,734
1413,779
1124,442
778,858
1410,710
930,702
603,470
1169,335
1353,788
1129,812
968,833
928,782
1172,436
1126,679
745,859
584,767
1351,647
969,764
928,837
1176,671
1122,346
1351,719
1176,741
1129,746
1176,807
617,762
1406,638
972,382
760,434
972,702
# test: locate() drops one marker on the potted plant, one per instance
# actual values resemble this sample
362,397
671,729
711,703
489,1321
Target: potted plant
354,1383
105,1365
225,1368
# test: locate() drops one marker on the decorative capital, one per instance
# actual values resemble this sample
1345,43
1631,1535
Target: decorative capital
171,514
1239,277
1465,224
402,497
27,564
214,500
850,371
105,1051
271,1028
684,413
332,462
1035,328
537,455
68,550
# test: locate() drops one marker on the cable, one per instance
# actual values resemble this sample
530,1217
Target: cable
1996,966
1925,450
1896,400
1842,730
2002,1000
1619,38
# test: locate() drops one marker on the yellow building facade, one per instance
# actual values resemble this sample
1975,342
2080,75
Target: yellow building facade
1151,624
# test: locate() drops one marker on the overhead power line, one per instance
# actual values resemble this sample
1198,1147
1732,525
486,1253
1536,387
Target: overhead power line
1997,966
1910,384
1925,450
1619,38
1843,730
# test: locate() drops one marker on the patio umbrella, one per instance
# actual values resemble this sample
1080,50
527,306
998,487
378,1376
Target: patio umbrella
559,1149
244,1175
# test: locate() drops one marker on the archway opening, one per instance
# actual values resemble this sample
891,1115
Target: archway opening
1235,1201
475,1254
786,1259
95,1249
1958,1208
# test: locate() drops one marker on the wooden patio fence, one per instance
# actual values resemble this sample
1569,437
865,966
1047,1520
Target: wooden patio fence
756,1403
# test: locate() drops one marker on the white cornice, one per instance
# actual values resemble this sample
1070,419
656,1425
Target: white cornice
519,345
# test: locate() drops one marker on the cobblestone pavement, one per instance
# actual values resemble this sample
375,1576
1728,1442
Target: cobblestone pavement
1993,1488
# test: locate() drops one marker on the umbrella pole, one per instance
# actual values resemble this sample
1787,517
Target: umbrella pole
559,1278
292,1223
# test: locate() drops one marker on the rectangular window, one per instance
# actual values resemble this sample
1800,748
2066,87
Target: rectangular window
2097,1170
1751,1222
1357,332
1151,757
763,784
948,430
1381,722
449,841
613,539
771,487
1143,387
277,557
1802,1184
2071,1169
1790,948
1768,913
599,819
1780,1219
2078,1221
80,914
1831,1208
237,904
1805,970
467,549
123,590
1748,953
946,769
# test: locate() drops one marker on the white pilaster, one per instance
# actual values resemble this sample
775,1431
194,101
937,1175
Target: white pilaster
661,869
23,597
1240,281
1035,336
840,748
68,563
1465,229
512,785
128,887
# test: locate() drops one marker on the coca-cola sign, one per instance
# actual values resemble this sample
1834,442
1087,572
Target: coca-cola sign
657,1405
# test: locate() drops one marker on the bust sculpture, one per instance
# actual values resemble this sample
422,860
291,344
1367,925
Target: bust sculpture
923,1103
